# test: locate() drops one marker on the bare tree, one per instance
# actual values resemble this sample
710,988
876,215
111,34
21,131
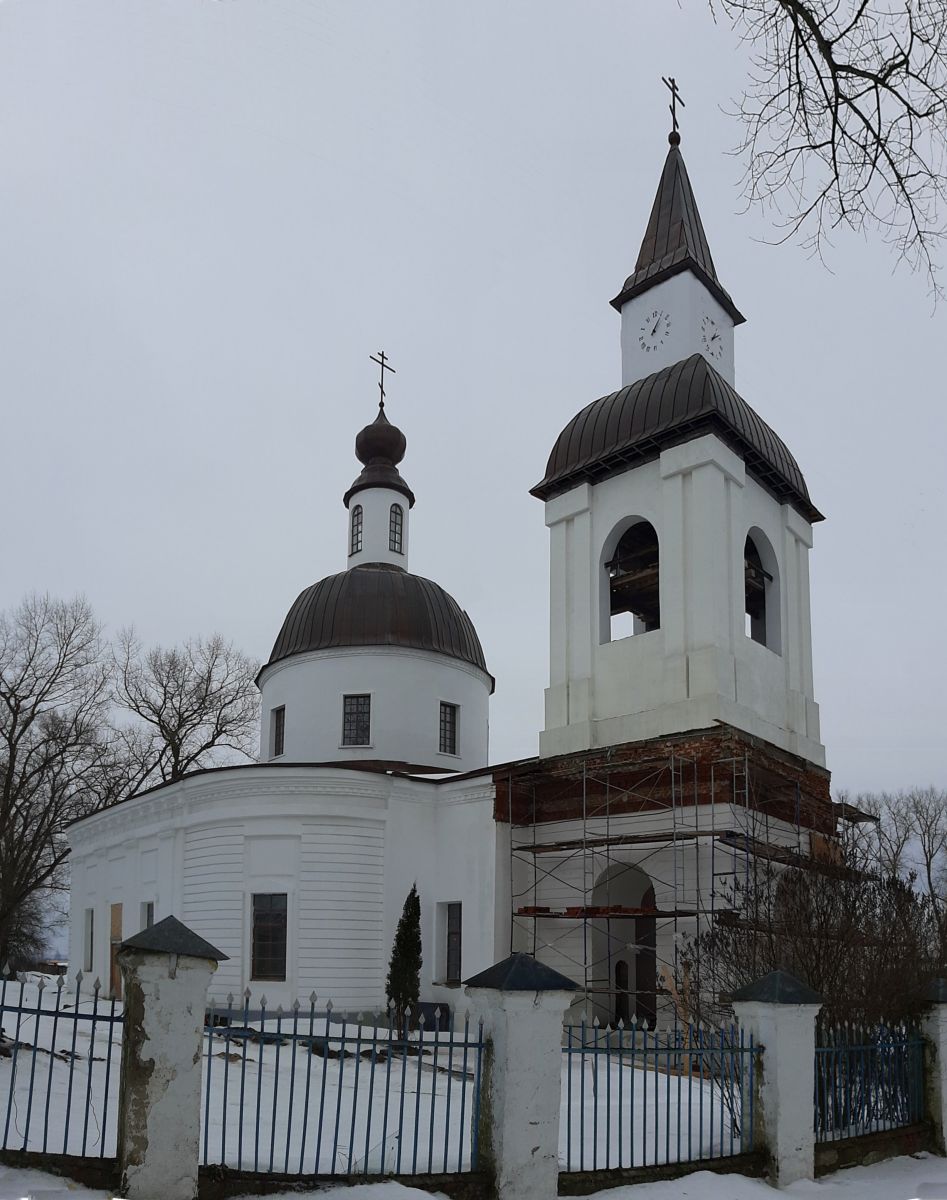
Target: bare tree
193,706
845,117
57,761
868,943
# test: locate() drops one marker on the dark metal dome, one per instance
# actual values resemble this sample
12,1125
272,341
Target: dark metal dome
672,406
378,605
380,446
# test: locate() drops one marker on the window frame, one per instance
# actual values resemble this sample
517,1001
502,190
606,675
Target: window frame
356,530
278,731
453,941
255,956
396,529
453,726
88,940
346,697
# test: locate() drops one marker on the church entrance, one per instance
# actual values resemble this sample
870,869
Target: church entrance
622,972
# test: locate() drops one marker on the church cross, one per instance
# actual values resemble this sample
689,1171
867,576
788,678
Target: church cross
671,84
382,361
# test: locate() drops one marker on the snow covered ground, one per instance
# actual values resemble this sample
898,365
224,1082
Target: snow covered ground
919,1178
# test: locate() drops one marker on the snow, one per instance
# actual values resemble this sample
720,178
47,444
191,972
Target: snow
921,1177
264,1089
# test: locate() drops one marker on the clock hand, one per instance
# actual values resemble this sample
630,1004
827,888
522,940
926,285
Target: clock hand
656,324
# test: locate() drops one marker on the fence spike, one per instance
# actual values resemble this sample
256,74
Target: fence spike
621,1024
437,1014
97,985
359,1018
279,1011
60,982
329,1006
79,978
421,1020
41,985
246,993
295,1006
313,997
230,997
263,1002
595,1022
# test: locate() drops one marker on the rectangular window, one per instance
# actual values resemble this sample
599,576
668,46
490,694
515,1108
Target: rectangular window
396,529
278,727
268,951
88,940
356,720
147,916
452,974
355,544
448,738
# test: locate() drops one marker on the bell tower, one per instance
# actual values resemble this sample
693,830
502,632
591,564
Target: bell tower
680,526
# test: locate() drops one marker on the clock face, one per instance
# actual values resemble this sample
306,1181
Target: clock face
655,328
711,338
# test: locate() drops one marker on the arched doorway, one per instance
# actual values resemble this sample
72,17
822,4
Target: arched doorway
622,969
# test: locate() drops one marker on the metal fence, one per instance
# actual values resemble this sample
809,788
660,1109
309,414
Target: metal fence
634,1098
60,1056
867,1079
300,1092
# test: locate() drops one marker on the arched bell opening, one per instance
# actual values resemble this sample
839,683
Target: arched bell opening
761,591
631,582
623,968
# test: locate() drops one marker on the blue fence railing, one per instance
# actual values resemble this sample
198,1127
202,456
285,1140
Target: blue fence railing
634,1098
867,1079
60,1056
304,1093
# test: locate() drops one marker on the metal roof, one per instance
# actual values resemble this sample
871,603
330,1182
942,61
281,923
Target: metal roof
675,240
378,604
672,406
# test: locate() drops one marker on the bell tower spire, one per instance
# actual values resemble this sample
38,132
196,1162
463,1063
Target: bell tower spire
673,303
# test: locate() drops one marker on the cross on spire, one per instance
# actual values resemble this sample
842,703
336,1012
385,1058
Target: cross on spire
671,84
382,361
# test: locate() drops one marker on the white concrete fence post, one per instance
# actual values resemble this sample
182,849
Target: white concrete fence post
780,1013
934,1028
165,970
522,1004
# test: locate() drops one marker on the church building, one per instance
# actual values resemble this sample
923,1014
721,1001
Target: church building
681,741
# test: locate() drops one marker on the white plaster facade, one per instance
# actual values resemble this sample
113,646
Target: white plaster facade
700,666
344,845
375,505
310,689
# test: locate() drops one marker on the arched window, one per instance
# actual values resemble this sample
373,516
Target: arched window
356,541
634,604
761,591
396,529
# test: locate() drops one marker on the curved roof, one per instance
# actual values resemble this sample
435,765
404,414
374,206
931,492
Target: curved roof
378,604
672,406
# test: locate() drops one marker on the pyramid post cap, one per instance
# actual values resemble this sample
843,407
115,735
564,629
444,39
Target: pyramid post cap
778,987
522,973
171,936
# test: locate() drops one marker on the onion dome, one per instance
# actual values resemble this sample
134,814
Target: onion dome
380,446
378,604
674,405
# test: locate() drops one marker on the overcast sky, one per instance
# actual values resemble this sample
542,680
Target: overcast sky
213,211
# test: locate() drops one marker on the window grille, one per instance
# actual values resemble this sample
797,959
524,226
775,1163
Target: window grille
279,730
268,951
396,529
356,720
448,738
453,943
356,542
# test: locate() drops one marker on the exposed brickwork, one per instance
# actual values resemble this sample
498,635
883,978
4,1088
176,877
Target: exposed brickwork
704,766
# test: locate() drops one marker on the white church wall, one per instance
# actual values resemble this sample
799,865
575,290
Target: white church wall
344,846
311,686
376,504
700,666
